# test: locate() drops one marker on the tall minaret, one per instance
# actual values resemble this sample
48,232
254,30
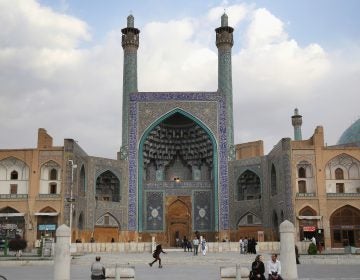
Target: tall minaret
296,120
130,44
224,43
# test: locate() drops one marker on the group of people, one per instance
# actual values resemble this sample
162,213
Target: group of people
247,245
273,268
189,245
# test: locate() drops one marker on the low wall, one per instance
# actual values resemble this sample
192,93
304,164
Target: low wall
139,247
229,273
127,272
116,247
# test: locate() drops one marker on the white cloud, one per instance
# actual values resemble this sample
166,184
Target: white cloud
48,80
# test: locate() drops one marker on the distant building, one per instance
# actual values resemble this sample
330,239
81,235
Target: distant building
178,172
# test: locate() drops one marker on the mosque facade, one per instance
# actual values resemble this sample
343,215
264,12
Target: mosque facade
178,171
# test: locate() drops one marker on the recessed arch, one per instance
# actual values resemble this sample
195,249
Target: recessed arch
81,221
244,219
273,180
111,222
47,209
307,211
107,187
8,209
82,181
143,138
344,226
107,228
248,186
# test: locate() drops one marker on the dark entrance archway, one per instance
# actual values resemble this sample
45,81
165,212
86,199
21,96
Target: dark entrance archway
345,227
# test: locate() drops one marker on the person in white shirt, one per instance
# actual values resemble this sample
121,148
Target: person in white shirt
274,268
241,243
313,240
97,269
196,245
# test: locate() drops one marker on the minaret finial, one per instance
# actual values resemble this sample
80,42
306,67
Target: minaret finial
224,20
130,20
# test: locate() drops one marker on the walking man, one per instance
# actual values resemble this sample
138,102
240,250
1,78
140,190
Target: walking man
196,245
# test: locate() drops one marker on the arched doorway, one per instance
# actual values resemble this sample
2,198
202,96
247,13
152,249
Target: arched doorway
12,223
307,223
106,228
177,157
345,227
47,222
178,219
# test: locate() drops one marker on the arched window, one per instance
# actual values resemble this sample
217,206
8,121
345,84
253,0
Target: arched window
249,186
339,174
53,174
108,187
273,180
14,175
302,186
302,172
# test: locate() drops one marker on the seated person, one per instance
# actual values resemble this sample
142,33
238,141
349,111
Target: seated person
97,269
274,268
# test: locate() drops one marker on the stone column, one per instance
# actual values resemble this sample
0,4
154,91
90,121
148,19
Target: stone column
62,254
287,251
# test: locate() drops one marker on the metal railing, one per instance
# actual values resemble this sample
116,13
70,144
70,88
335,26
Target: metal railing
343,194
305,194
13,196
49,195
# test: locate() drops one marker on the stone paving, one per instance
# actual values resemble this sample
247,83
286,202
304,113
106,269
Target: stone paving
176,266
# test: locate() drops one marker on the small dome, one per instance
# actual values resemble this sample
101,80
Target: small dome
351,135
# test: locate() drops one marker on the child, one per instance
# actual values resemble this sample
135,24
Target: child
156,255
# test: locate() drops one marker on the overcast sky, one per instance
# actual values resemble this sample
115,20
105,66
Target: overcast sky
61,65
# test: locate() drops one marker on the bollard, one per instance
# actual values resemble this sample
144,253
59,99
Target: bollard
117,273
153,244
238,272
62,254
287,251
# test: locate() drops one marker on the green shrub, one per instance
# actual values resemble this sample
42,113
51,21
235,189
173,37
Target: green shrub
17,244
312,250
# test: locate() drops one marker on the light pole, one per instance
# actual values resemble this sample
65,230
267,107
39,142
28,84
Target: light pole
71,200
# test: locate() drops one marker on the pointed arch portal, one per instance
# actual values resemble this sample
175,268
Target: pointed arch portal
177,156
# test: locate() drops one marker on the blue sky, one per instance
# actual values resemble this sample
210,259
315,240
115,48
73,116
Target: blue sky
328,22
61,65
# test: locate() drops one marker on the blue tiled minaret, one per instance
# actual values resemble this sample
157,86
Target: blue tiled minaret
224,43
130,44
296,120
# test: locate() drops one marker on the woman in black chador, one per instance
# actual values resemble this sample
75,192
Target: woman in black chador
257,269
156,255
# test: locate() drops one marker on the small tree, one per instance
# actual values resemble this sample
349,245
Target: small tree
312,250
17,244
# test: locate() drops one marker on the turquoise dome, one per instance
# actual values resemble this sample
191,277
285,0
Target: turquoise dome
351,135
